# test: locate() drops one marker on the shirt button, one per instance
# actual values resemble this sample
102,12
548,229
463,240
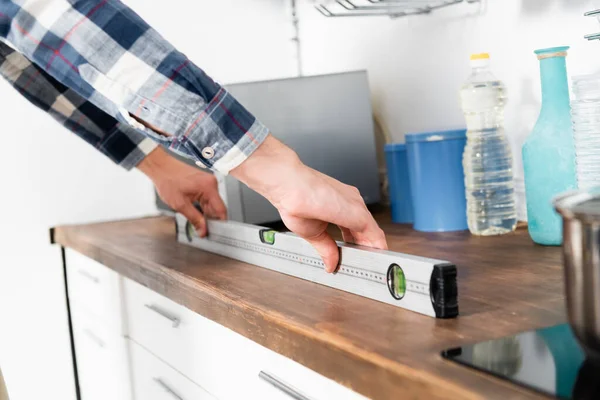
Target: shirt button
208,153
200,164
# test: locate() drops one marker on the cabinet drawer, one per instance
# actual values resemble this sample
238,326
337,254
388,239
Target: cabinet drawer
102,361
223,362
155,380
95,289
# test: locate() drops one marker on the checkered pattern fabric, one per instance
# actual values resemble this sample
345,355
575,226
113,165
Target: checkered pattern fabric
105,53
118,141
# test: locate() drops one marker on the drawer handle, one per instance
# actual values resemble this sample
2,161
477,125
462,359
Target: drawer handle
282,386
95,338
167,388
88,275
174,320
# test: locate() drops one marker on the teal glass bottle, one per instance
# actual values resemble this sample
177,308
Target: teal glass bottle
549,151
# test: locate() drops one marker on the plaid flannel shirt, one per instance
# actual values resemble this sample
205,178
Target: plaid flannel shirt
93,64
118,141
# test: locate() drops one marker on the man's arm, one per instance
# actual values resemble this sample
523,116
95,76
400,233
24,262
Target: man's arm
111,57
176,183
116,140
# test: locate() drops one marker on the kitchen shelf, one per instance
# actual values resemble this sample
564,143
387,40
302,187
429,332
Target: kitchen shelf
595,13
389,8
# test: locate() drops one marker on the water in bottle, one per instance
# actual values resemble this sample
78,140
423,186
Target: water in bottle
585,114
487,159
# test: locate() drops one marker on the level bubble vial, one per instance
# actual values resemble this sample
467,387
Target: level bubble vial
189,231
267,236
396,281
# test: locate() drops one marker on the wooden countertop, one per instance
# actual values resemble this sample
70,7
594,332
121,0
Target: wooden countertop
506,285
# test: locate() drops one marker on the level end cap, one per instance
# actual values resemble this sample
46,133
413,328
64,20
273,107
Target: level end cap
444,290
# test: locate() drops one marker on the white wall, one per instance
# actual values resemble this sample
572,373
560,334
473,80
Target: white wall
416,64
51,177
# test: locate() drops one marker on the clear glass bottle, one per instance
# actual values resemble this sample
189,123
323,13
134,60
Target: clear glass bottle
549,150
487,159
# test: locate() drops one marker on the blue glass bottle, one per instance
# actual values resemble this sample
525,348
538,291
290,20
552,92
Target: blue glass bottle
549,151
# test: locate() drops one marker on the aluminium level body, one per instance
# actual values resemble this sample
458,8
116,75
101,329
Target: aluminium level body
419,284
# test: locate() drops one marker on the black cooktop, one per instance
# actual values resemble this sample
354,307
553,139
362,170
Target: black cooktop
548,360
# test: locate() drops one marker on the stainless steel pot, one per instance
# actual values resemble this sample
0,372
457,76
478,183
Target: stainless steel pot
580,211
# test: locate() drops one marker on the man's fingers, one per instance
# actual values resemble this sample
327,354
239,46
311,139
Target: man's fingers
365,232
327,249
379,241
213,206
372,237
218,206
195,217
355,217
347,235
370,234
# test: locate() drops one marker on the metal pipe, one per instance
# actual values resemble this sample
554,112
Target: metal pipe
296,37
390,8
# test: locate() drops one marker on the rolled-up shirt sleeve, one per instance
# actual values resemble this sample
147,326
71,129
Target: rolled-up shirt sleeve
118,141
111,57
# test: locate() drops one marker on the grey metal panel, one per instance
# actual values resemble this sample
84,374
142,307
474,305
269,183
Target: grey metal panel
257,210
326,119
230,191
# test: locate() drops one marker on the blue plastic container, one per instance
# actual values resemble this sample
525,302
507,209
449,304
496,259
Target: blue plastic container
437,180
399,183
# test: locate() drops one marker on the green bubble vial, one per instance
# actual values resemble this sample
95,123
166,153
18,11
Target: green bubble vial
267,237
189,231
396,281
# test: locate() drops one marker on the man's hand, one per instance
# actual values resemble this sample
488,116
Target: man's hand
180,185
308,200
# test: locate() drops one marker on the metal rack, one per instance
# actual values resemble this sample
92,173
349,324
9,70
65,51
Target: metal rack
389,8
593,36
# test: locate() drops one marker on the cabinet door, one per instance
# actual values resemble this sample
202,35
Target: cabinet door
95,289
155,380
223,362
102,360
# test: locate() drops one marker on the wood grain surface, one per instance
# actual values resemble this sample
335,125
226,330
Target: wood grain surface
507,284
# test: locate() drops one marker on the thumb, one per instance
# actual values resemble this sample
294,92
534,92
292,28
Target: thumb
327,249
195,217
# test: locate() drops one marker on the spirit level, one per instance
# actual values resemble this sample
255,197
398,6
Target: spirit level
419,284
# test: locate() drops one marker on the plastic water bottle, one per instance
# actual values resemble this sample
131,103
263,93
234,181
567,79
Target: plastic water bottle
585,114
487,159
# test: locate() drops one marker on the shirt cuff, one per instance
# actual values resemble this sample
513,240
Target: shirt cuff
221,136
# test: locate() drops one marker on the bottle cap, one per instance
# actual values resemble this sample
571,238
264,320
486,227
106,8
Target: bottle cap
480,56
552,52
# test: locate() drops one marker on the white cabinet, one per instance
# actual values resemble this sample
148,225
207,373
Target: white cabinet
155,380
95,289
96,314
225,363
102,361
133,343
193,346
